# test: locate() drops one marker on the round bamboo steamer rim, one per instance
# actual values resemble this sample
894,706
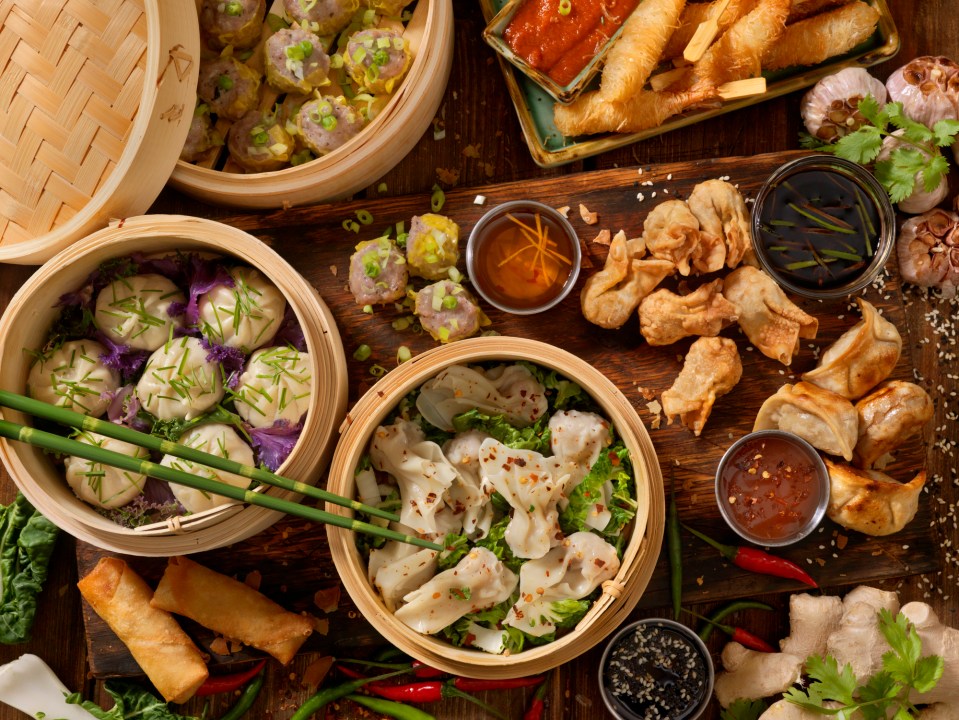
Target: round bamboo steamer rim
26,324
97,99
620,594
366,157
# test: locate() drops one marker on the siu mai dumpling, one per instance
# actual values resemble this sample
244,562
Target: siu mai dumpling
479,581
711,369
610,296
870,501
890,414
825,420
721,211
665,317
861,358
770,320
671,232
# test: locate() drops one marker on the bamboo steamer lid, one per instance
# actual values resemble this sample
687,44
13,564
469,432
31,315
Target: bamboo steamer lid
366,157
96,99
26,324
620,594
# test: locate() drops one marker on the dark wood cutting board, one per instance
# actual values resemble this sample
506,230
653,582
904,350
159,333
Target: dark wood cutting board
292,556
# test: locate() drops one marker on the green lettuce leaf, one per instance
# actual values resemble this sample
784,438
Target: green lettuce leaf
495,542
562,393
611,465
535,437
130,701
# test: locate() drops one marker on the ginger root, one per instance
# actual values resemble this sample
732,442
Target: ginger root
752,675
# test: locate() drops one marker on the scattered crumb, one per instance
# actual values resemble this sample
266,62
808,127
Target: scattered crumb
655,408
448,176
333,270
316,671
564,211
647,393
699,580
602,238
590,218
321,625
219,646
327,599
820,562
479,200
253,579
472,151
841,541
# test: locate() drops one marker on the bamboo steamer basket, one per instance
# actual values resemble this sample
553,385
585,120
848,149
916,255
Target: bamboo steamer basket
26,324
363,159
619,595
96,100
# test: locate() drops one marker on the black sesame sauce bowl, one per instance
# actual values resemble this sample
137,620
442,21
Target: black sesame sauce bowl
823,227
656,668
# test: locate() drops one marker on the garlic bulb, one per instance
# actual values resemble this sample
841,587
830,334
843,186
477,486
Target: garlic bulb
830,108
921,200
928,88
928,249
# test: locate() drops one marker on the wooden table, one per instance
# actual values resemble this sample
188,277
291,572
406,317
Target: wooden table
477,113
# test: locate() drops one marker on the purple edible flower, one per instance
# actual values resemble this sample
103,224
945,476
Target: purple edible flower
124,359
275,443
290,332
203,275
82,298
230,360
170,266
124,406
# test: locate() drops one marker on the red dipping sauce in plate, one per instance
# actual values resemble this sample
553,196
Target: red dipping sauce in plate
769,488
562,45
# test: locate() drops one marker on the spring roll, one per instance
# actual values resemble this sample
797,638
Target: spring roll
158,644
230,608
822,36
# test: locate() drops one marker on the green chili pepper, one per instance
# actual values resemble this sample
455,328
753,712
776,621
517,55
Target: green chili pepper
675,549
729,609
390,708
246,699
322,698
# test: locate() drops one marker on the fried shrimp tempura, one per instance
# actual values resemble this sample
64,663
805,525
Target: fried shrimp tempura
696,13
822,36
632,59
591,113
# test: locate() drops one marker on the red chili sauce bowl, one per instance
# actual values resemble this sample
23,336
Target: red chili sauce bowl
772,488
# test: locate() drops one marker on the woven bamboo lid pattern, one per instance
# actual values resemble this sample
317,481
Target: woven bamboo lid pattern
95,103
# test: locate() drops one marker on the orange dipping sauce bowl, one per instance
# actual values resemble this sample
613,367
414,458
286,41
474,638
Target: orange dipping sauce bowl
523,257
772,488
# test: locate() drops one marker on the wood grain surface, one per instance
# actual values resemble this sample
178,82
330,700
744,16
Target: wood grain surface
482,145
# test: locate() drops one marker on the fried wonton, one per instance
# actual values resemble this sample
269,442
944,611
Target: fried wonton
721,211
870,501
770,320
610,296
861,358
665,317
711,369
825,420
893,412
671,232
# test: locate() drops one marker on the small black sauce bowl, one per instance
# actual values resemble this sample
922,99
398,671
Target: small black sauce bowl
696,646
821,472
875,194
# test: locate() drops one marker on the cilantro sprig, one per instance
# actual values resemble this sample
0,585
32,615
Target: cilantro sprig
916,153
903,670
743,709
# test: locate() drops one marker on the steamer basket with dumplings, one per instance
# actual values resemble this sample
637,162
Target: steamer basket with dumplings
365,158
619,595
27,322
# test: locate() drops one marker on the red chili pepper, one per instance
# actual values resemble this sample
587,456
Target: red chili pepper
758,561
537,706
478,685
422,670
426,691
743,637
228,683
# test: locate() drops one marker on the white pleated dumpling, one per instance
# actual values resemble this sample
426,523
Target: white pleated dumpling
103,485
509,390
478,581
179,382
570,571
277,384
245,316
215,439
576,439
531,485
72,377
421,470
466,494
398,569
134,310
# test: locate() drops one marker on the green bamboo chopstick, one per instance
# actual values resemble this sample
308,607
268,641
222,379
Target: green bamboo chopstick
63,416
57,443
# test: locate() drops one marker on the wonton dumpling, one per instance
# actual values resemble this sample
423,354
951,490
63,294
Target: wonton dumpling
398,569
104,485
421,470
870,501
570,571
216,439
770,320
179,382
134,311
577,439
665,317
722,213
861,358
893,412
277,384
466,494
825,420
509,390
529,484
671,232
711,369
478,581
245,316
73,377
611,295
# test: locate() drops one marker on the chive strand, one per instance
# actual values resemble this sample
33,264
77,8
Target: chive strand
822,222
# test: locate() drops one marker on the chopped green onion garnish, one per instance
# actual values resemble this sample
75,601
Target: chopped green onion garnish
275,22
444,334
381,188
455,275
351,225
371,269
294,52
261,138
565,6
233,8
364,217
449,302
224,82
201,109
368,309
401,323
328,122
381,57
303,156
437,199
336,61
362,353
401,239
403,354
377,370
307,47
